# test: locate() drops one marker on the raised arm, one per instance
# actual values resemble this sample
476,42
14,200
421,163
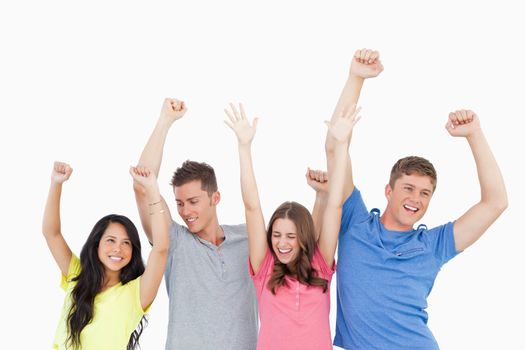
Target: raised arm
151,156
51,227
159,221
245,133
340,129
365,64
318,181
471,225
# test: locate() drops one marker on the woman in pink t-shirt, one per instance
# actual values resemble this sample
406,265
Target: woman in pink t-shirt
292,265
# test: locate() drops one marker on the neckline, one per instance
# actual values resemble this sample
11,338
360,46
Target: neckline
107,289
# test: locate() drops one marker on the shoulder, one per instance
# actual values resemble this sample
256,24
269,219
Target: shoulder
178,231
73,271
354,209
443,229
441,240
235,231
320,265
354,198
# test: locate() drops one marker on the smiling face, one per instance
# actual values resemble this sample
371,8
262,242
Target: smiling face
115,248
195,206
285,243
408,201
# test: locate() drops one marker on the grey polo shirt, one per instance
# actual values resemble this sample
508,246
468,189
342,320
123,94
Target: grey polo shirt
212,302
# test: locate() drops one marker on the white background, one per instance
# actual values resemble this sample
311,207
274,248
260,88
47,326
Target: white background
83,82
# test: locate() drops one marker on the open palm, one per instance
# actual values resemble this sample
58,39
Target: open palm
240,124
341,127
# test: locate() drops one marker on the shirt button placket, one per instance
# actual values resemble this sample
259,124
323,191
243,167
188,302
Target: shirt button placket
221,259
297,296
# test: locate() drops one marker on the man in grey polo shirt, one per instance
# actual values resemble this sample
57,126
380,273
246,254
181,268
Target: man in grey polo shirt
212,302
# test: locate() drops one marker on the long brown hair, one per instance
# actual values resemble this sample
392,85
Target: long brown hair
301,267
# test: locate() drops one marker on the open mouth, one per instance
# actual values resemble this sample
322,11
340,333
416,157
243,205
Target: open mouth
115,258
191,220
411,209
284,251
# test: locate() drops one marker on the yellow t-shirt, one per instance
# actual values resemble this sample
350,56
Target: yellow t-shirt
117,313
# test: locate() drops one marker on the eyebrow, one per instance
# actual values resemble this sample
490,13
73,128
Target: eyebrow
429,191
111,236
287,233
187,199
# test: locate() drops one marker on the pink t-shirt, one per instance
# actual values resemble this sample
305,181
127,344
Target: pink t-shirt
297,317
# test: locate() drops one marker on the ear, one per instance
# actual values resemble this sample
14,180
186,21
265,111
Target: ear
388,191
215,198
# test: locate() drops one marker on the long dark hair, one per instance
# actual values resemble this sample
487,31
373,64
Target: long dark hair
89,281
301,267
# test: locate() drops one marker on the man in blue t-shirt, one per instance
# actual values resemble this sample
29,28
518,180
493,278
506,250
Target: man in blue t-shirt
385,267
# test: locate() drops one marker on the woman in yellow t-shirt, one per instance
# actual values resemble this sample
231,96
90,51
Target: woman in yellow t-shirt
108,290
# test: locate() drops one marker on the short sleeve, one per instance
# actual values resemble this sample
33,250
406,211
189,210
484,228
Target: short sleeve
135,287
261,277
72,272
442,242
321,266
354,210
176,232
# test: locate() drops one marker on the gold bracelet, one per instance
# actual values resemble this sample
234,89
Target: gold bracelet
160,212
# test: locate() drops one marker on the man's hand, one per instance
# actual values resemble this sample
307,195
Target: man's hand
172,110
463,123
366,64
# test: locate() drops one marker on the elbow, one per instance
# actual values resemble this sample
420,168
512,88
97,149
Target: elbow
163,251
251,207
499,206
502,205
50,233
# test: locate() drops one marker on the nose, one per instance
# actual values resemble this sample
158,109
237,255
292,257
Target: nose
414,197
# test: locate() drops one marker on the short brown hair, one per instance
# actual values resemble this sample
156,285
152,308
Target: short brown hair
191,171
410,165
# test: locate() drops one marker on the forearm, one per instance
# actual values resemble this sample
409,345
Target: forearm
257,245
348,178
318,212
159,220
336,184
250,194
349,96
51,225
475,221
151,156
491,182
332,214
159,239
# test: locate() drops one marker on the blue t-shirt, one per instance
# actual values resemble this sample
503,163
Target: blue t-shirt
383,280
